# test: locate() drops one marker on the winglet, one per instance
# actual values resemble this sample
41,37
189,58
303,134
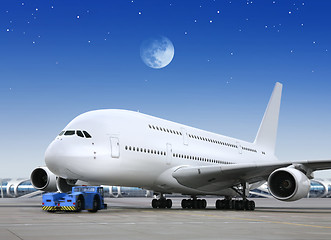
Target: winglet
267,134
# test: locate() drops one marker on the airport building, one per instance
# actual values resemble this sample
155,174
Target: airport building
11,188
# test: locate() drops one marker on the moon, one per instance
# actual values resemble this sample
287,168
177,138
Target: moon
157,52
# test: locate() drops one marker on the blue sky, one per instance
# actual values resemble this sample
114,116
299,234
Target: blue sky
62,58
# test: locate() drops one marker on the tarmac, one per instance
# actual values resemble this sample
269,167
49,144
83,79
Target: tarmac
133,218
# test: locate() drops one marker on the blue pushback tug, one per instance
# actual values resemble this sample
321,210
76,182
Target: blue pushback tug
81,198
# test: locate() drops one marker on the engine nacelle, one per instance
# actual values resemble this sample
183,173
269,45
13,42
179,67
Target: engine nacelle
288,184
64,185
43,179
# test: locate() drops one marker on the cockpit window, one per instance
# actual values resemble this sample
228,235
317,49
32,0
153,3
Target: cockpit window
79,133
86,134
69,132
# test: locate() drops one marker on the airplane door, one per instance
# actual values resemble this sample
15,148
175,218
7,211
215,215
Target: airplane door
240,149
115,147
169,153
185,137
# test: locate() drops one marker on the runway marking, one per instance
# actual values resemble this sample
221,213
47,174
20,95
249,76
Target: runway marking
251,220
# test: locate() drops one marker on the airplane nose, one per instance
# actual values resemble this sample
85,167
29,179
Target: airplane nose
54,157
61,157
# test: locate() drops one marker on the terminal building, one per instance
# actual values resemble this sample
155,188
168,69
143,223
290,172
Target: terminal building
12,188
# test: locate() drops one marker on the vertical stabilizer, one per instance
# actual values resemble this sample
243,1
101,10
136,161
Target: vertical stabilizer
267,134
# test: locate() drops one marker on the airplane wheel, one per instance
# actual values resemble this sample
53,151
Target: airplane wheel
184,204
162,203
169,203
218,204
250,205
204,203
154,203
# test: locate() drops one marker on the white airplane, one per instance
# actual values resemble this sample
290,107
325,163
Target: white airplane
126,148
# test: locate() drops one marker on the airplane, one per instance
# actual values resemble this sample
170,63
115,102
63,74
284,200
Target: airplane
127,148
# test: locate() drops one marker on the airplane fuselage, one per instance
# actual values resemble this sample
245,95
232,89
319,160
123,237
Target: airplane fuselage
128,148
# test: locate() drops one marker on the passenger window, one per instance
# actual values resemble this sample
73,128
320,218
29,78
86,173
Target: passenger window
61,133
79,133
69,132
86,134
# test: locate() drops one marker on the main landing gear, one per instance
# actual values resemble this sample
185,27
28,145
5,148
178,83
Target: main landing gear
194,203
162,202
227,204
244,204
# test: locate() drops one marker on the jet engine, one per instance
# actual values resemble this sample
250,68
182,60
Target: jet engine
64,185
288,184
43,179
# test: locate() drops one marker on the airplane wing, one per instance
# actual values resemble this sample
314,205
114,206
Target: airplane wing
212,178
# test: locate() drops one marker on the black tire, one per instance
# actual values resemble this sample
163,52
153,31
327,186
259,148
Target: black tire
184,203
163,203
169,203
80,203
204,203
154,203
96,204
250,206
218,204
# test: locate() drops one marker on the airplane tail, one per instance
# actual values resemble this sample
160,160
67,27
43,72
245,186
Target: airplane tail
267,134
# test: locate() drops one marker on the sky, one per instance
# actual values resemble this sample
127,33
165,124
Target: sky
63,58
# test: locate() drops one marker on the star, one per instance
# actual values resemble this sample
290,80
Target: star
77,16
139,13
290,12
185,33
210,21
231,53
218,11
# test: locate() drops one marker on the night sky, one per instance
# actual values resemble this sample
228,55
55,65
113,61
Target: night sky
62,58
